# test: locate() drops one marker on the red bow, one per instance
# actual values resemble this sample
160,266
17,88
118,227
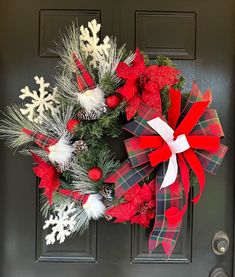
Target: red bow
203,130
163,152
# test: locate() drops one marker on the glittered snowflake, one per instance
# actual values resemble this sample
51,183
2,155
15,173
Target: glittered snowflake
41,101
62,223
89,42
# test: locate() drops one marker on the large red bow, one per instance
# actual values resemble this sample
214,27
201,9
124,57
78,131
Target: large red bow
147,149
163,151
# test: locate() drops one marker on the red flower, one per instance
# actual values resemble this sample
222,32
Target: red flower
49,177
143,84
138,207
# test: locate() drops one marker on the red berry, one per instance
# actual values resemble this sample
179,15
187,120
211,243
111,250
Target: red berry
72,124
112,101
95,174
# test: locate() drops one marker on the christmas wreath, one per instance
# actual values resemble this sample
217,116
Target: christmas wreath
175,138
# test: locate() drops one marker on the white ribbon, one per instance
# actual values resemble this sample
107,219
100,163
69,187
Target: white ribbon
179,145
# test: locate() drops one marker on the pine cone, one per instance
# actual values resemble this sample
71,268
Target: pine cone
80,146
108,204
93,115
103,109
108,217
106,191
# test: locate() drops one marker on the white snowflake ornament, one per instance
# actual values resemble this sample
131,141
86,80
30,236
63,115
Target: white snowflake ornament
41,101
89,43
62,223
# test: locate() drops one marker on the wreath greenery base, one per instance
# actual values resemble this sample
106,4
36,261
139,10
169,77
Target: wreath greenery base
64,126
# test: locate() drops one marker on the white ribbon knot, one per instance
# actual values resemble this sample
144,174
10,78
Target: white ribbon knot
179,145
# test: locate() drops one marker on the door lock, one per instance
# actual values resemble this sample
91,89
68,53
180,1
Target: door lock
220,243
218,271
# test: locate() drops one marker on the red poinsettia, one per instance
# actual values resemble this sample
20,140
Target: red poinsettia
49,177
144,83
138,206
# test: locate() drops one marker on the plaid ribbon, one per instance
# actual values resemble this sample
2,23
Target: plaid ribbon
208,125
137,167
127,176
40,139
163,232
84,79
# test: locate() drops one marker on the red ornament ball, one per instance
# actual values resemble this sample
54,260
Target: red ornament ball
95,174
72,124
112,101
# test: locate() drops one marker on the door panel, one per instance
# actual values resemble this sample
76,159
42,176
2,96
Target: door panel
199,36
178,39
52,21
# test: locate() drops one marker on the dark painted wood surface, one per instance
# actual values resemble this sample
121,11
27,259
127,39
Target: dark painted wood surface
199,35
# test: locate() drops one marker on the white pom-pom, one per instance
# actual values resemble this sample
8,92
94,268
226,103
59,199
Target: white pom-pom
94,207
92,100
61,152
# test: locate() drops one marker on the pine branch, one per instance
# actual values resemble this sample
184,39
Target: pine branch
108,84
161,60
180,84
108,124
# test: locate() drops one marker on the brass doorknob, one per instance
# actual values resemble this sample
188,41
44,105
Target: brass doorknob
220,243
218,271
